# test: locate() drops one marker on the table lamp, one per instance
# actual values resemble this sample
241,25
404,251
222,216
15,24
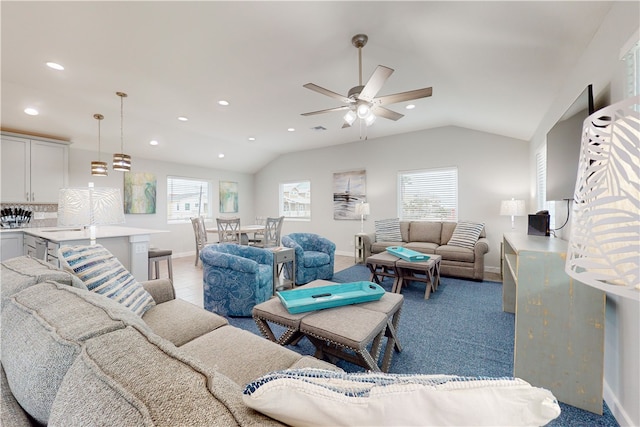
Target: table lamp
604,241
89,207
362,209
512,208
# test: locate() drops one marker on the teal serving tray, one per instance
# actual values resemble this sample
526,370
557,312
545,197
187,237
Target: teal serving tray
407,254
302,300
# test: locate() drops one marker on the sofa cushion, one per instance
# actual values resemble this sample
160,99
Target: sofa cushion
423,247
22,272
456,253
466,234
43,328
232,351
320,398
425,231
11,413
180,321
315,259
388,230
125,378
101,272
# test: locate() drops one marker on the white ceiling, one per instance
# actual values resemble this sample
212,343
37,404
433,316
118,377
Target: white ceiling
493,66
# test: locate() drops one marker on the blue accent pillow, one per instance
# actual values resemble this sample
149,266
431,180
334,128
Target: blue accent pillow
101,272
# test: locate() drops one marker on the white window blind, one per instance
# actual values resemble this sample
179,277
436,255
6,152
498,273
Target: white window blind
187,198
541,178
295,200
632,58
430,195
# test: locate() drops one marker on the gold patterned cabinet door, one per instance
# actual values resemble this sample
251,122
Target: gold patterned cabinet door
559,332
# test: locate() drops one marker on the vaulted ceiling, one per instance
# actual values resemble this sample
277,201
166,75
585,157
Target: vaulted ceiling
494,67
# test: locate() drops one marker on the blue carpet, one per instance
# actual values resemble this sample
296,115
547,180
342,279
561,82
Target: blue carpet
460,330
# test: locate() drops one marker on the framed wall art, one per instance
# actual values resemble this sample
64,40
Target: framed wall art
349,189
139,193
228,197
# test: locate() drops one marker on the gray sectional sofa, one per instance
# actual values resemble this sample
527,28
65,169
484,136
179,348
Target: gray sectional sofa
71,357
431,237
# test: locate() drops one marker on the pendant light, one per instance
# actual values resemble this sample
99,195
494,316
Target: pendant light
121,161
99,168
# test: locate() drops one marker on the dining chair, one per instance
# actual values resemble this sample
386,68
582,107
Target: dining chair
200,235
258,236
228,230
272,230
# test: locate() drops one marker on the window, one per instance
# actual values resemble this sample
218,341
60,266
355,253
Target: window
632,58
186,198
541,186
430,195
295,200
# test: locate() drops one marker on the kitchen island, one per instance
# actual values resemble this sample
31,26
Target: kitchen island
130,245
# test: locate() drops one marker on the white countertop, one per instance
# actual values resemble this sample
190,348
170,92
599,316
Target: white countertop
61,234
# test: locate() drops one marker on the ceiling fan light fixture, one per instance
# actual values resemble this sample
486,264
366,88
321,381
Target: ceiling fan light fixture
350,117
363,111
370,119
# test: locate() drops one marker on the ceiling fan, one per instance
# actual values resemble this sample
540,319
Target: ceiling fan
361,101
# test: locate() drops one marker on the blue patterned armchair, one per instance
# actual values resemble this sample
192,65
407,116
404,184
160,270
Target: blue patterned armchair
235,278
314,256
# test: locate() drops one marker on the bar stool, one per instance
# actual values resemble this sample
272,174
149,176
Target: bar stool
157,255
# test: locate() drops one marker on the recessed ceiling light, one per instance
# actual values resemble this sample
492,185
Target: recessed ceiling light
55,66
31,111
410,107
252,138
153,142
183,119
291,130
221,156
223,102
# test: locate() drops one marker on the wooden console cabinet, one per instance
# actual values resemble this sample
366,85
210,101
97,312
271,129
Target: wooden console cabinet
559,325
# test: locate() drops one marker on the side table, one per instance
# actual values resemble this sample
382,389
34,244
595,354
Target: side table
284,257
359,254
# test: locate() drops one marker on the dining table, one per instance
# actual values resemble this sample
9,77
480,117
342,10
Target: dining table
244,231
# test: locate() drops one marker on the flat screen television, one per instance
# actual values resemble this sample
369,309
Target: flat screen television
563,147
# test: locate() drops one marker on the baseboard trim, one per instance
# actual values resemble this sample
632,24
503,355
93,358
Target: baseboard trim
615,406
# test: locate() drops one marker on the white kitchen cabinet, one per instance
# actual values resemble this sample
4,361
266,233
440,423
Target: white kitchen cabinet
33,169
12,244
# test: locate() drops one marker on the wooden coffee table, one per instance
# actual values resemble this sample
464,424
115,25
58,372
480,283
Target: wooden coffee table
427,272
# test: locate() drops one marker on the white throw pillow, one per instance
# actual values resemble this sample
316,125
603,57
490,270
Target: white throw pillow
388,230
316,397
101,272
466,234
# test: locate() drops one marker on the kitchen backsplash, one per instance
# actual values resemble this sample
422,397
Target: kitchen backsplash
42,214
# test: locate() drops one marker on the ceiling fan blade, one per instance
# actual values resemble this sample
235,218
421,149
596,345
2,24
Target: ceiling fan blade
403,96
329,110
346,125
377,79
327,92
386,113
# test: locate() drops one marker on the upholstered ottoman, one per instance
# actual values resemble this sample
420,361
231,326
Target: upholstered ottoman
342,330
383,265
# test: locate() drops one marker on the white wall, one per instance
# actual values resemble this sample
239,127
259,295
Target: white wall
179,237
491,168
601,66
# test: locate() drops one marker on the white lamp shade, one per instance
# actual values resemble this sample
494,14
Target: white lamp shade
79,207
512,208
604,245
362,209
